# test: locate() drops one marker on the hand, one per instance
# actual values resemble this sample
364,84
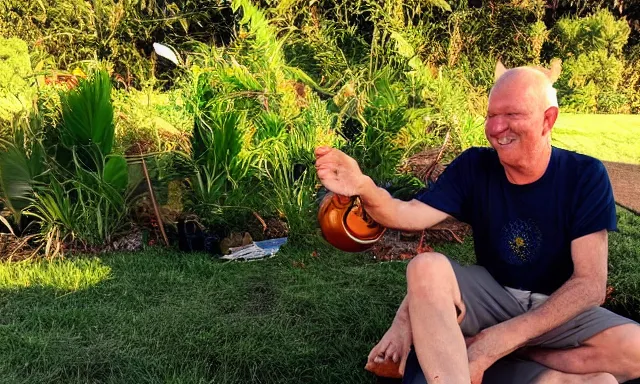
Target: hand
338,172
483,350
476,372
393,347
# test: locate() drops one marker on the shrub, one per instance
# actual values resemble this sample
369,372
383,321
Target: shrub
601,31
121,32
157,121
77,190
632,79
512,32
16,80
593,67
590,82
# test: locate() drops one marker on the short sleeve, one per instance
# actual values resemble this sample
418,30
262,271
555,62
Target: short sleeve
594,207
450,193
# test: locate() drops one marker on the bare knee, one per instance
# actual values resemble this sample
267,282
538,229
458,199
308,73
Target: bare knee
599,378
427,267
431,277
620,348
631,349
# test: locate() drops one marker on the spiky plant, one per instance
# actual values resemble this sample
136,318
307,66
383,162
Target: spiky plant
87,127
22,165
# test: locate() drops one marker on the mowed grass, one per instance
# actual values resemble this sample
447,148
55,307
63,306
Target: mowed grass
161,316
166,317
606,137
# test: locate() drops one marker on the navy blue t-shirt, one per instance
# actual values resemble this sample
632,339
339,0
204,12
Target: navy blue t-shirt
523,233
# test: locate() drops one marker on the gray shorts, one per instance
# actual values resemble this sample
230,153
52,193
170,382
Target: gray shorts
488,303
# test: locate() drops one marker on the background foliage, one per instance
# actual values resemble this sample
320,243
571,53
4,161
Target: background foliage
227,130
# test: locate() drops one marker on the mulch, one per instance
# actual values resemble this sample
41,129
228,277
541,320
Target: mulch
625,180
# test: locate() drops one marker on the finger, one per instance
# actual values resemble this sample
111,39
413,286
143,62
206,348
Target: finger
374,352
390,351
326,164
325,173
376,358
395,357
377,354
322,150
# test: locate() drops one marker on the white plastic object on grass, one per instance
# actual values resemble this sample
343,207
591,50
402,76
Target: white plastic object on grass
256,250
166,52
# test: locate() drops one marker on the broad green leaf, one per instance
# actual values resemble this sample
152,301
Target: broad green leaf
115,173
16,181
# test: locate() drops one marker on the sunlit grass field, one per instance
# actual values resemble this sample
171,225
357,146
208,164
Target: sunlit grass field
606,137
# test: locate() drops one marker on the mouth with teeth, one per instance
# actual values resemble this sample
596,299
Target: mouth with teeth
505,140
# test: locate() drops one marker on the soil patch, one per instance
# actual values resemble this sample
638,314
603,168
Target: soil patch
625,179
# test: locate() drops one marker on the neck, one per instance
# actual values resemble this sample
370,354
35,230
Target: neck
532,170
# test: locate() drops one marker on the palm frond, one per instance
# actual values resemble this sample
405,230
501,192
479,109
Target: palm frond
87,119
16,179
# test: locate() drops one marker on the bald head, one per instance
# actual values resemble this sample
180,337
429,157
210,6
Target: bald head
521,113
530,83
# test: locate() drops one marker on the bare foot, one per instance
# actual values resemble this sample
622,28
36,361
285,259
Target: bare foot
390,354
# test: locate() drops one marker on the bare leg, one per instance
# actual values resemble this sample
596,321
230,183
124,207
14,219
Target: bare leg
433,294
615,350
556,377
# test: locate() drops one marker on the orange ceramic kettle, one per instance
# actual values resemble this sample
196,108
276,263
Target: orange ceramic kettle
346,225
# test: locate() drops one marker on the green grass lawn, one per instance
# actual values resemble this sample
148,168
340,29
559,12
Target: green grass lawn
606,137
165,317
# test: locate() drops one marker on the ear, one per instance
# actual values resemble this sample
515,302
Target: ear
550,117
500,70
554,71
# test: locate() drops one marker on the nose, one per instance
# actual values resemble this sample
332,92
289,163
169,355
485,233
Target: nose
495,125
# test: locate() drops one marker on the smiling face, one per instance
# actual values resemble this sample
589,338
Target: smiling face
519,119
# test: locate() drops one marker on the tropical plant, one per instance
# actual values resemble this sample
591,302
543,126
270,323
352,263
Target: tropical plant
86,130
22,169
255,121
16,81
82,198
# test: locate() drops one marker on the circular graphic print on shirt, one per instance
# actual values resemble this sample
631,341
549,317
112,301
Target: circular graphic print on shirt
521,241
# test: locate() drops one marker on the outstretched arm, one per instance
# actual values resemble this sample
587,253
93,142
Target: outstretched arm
410,215
341,174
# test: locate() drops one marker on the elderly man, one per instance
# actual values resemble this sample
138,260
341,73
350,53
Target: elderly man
530,310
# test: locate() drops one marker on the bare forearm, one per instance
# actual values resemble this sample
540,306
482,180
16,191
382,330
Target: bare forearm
394,213
574,297
378,203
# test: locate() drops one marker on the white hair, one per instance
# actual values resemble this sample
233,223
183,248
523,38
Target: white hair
550,96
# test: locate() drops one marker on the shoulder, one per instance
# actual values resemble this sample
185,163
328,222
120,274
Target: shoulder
580,166
590,193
